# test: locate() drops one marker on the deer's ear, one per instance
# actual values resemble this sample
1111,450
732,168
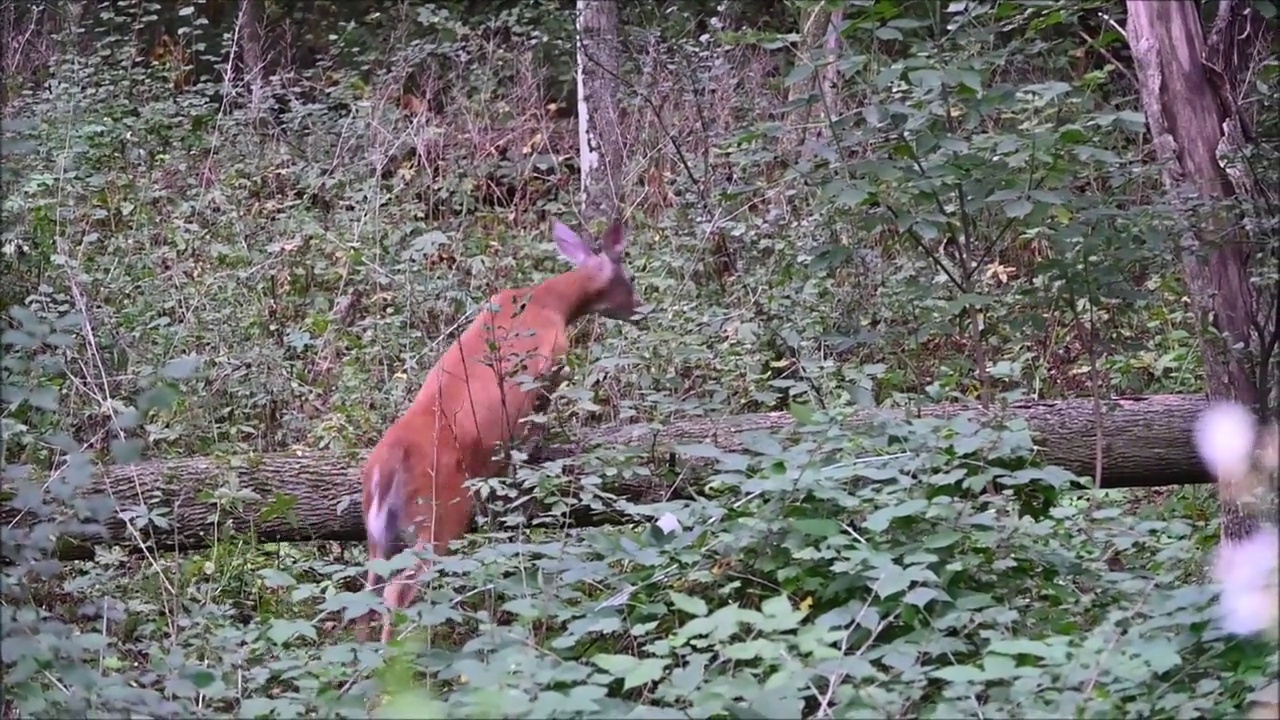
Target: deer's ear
614,241
571,246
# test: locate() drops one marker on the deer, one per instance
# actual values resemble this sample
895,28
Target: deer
471,404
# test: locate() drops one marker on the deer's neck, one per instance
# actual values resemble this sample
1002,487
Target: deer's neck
565,294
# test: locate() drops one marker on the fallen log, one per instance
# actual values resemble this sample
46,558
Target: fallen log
313,495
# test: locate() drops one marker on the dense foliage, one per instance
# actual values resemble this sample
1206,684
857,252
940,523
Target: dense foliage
202,260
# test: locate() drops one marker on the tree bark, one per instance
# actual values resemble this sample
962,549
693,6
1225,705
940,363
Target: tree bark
250,53
314,495
1239,43
821,32
599,140
1192,125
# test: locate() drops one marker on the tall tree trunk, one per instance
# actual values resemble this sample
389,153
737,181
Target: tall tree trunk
249,48
1193,125
820,29
600,142
1239,43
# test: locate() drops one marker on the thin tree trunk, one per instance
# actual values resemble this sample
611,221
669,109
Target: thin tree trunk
600,143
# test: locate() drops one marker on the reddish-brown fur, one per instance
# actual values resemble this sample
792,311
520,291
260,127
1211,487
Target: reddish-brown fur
472,402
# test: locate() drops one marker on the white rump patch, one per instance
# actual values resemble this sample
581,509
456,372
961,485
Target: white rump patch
377,524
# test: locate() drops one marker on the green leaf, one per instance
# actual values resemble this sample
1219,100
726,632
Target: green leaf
1018,208
926,79
160,397
892,581
17,338
761,443
851,196
960,673
43,398
779,615
274,578
1005,194
999,665
646,671
412,702
26,318
919,596
700,450
941,539
818,527
971,79
799,73
634,672
801,412
926,230
688,604
879,520
201,678
744,713
280,631
1027,647
617,665
126,451
753,649
181,368
887,76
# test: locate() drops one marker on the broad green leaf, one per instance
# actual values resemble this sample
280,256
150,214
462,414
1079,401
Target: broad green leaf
689,604
778,614
181,368
926,79
618,665
999,666
274,578
879,520
803,413
645,671
818,527
919,596
1018,208
942,538
202,678
280,631
887,76
43,397
851,196
892,580
971,79
1027,647
411,703
752,649
960,673
799,73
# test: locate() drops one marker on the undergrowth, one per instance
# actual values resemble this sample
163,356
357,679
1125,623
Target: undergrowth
201,266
